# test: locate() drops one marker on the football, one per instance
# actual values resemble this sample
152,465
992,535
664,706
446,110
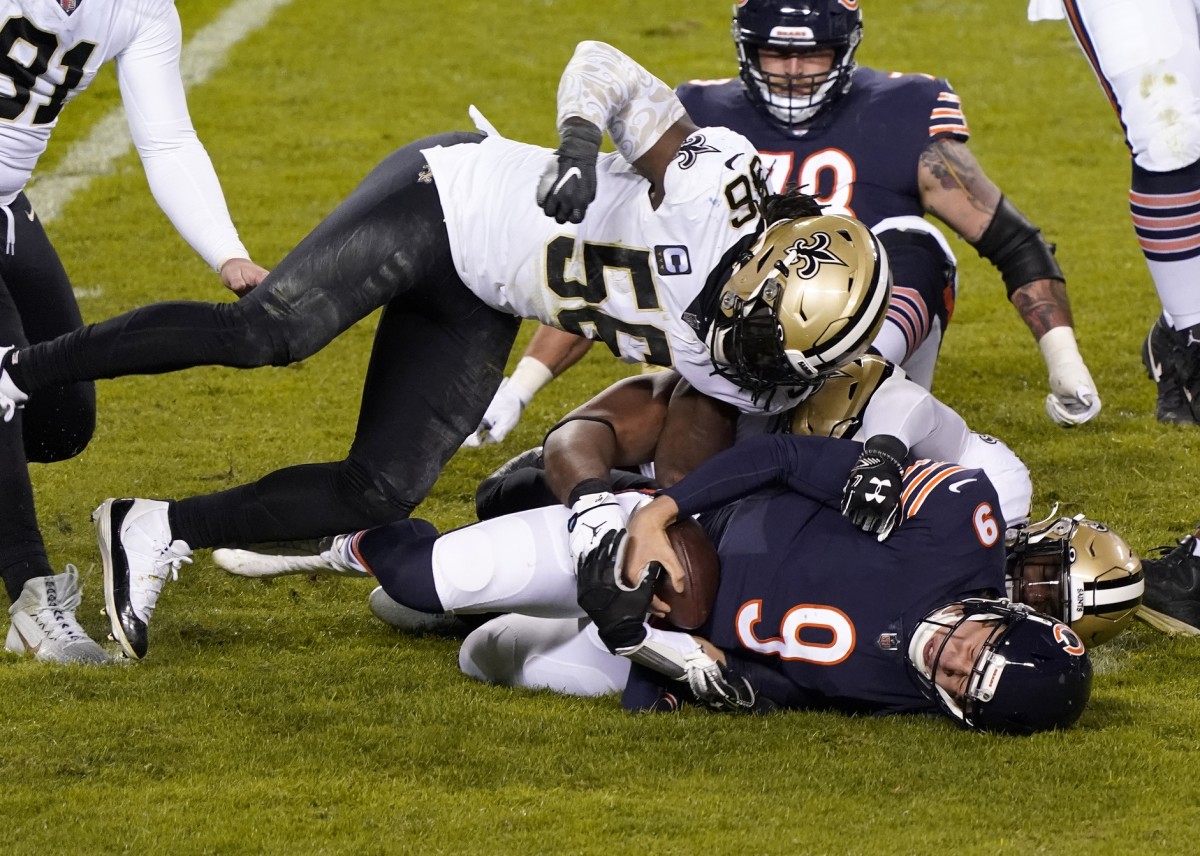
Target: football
701,571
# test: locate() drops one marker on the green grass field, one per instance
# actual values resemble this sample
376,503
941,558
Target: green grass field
281,717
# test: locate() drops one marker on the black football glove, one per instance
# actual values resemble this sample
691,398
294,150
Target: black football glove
618,612
871,499
568,185
723,689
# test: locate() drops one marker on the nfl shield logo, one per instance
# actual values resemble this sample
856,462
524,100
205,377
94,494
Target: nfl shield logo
69,6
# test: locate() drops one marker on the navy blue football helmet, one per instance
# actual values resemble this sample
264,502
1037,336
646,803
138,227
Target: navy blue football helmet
792,26
1027,672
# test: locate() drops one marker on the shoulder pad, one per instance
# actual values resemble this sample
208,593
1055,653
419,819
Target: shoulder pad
835,410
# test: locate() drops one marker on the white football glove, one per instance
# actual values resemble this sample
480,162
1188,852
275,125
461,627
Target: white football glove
592,517
1073,399
502,416
510,400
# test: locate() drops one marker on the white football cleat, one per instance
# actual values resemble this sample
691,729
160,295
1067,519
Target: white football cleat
335,559
139,557
44,625
11,398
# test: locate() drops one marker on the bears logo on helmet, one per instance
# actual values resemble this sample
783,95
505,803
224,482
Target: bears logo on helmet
791,26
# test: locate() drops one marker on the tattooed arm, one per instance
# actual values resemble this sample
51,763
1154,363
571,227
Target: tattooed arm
954,189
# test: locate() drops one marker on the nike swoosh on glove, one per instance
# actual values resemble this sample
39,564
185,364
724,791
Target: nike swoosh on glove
568,185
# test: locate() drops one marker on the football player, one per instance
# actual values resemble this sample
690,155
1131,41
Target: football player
52,51
1146,56
885,148
809,611
649,430
459,236
1074,569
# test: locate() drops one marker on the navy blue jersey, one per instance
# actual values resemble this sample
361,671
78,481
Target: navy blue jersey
823,604
860,156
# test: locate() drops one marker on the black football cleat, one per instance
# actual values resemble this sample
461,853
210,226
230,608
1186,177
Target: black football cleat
1172,361
1173,583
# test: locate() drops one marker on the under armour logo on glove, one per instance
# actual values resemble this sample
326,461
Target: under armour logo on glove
871,498
882,491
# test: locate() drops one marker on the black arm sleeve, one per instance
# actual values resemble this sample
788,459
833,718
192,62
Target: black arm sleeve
816,467
1017,249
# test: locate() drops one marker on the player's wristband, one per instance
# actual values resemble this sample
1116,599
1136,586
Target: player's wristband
530,375
595,485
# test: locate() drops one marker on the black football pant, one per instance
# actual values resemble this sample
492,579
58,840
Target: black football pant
36,304
438,357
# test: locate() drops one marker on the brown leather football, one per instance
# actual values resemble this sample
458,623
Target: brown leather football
701,571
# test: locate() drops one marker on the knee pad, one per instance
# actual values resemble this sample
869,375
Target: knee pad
1163,122
563,655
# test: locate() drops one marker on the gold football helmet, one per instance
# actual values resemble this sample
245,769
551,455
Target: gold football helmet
836,409
1078,571
809,298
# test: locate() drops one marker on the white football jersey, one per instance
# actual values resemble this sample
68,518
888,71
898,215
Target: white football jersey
628,273
47,57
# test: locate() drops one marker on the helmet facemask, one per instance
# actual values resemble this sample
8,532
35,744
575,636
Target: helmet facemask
809,298
794,100
1078,571
749,350
1028,672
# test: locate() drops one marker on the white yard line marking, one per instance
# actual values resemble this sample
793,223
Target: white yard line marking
109,140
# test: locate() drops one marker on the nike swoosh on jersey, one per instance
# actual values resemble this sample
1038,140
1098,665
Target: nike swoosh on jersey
921,479
957,486
729,163
573,172
31,214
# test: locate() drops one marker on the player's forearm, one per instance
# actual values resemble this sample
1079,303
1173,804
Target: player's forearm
186,188
1043,305
613,92
812,466
580,452
556,349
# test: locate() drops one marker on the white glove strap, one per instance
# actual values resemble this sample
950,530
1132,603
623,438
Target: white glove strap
528,377
668,652
613,92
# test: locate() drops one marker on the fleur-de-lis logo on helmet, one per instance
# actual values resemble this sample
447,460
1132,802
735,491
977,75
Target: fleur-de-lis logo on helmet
807,256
